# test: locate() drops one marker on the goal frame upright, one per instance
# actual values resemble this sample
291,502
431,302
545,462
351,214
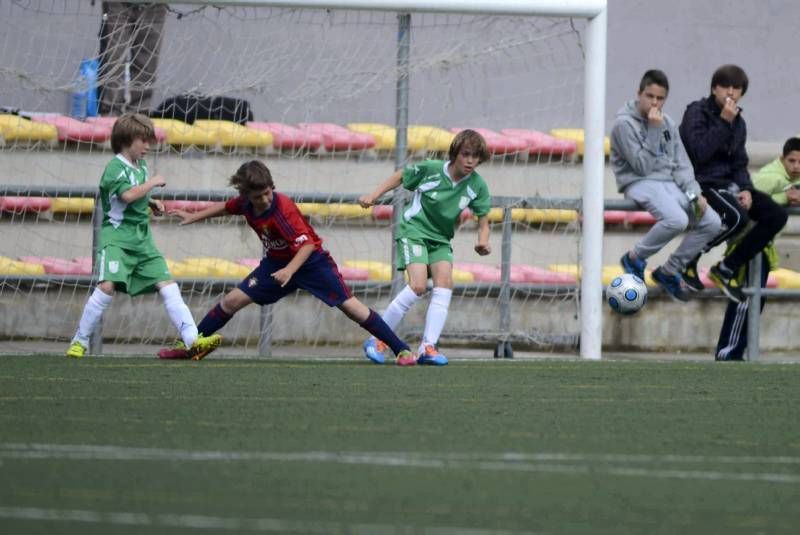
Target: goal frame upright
595,13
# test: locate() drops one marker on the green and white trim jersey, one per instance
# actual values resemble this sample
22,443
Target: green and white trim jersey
124,225
438,201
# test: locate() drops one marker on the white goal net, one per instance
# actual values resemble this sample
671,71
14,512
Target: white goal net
322,88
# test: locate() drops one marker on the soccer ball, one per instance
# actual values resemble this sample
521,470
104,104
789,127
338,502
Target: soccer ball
626,294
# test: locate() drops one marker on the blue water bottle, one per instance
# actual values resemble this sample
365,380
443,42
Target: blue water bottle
84,99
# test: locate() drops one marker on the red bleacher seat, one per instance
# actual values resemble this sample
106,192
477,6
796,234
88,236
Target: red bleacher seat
614,217
541,143
639,218
286,137
70,129
382,211
339,138
537,275
498,143
18,205
58,266
354,273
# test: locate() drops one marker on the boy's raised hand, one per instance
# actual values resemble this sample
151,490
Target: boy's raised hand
158,181
483,249
366,201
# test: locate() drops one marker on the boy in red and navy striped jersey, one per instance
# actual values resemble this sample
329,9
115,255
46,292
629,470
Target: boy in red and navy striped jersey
294,258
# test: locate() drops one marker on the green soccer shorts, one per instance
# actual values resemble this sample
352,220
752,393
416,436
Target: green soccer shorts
132,272
422,252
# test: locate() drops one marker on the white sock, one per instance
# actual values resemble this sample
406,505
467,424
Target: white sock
397,309
92,313
179,313
436,317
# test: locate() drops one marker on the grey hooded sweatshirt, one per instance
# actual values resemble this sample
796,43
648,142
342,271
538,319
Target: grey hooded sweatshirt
639,151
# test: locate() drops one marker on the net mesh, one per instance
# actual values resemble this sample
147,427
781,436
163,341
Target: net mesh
294,67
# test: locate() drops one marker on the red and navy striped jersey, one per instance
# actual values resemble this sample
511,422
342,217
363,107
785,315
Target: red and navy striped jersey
282,228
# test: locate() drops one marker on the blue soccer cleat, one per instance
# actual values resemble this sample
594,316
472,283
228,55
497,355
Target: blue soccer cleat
431,357
635,267
374,350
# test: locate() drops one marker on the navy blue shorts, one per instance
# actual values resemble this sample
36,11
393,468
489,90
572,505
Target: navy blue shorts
319,276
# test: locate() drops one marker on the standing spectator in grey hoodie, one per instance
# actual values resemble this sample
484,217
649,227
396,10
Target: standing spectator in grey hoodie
652,168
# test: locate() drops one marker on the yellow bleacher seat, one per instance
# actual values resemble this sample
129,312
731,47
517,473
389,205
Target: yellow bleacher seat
344,211
378,271
9,266
786,278
385,135
460,275
182,270
180,133
429,138
16,128
496,214
550,215
577,135
230,134
218,267
68,205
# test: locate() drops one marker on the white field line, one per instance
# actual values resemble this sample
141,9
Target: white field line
652,466
275,525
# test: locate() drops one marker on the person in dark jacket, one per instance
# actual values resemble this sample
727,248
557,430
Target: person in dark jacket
714,132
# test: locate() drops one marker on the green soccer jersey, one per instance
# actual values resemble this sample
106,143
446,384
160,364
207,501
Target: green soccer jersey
126,225
438,201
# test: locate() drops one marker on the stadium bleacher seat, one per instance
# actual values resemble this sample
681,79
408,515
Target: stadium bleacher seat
218,267
9,266
342,211
338,138
184,134
228,134
385,135
498,143
14,128
577,135
378,271
72,205
70,129
614,217
19,205
286,137
639,218
429,138
382,212
786,278
353,273
541,143
59,266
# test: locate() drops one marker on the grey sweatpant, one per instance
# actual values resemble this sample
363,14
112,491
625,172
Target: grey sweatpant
674,214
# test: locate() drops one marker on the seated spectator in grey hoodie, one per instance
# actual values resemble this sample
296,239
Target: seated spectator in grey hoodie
652,169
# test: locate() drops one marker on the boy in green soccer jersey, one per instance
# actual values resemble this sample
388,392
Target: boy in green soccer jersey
442,189
127,257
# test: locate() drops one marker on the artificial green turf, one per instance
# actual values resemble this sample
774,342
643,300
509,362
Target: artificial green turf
689,419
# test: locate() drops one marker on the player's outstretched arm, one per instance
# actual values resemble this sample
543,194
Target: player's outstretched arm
389,184
187,218
137,192
482,247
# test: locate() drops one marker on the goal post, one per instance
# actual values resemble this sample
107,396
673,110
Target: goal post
371,68
594,120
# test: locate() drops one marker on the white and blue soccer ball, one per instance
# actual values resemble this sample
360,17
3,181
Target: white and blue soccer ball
626,294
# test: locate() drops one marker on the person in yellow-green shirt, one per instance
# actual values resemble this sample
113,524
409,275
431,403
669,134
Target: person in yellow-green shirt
779,179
